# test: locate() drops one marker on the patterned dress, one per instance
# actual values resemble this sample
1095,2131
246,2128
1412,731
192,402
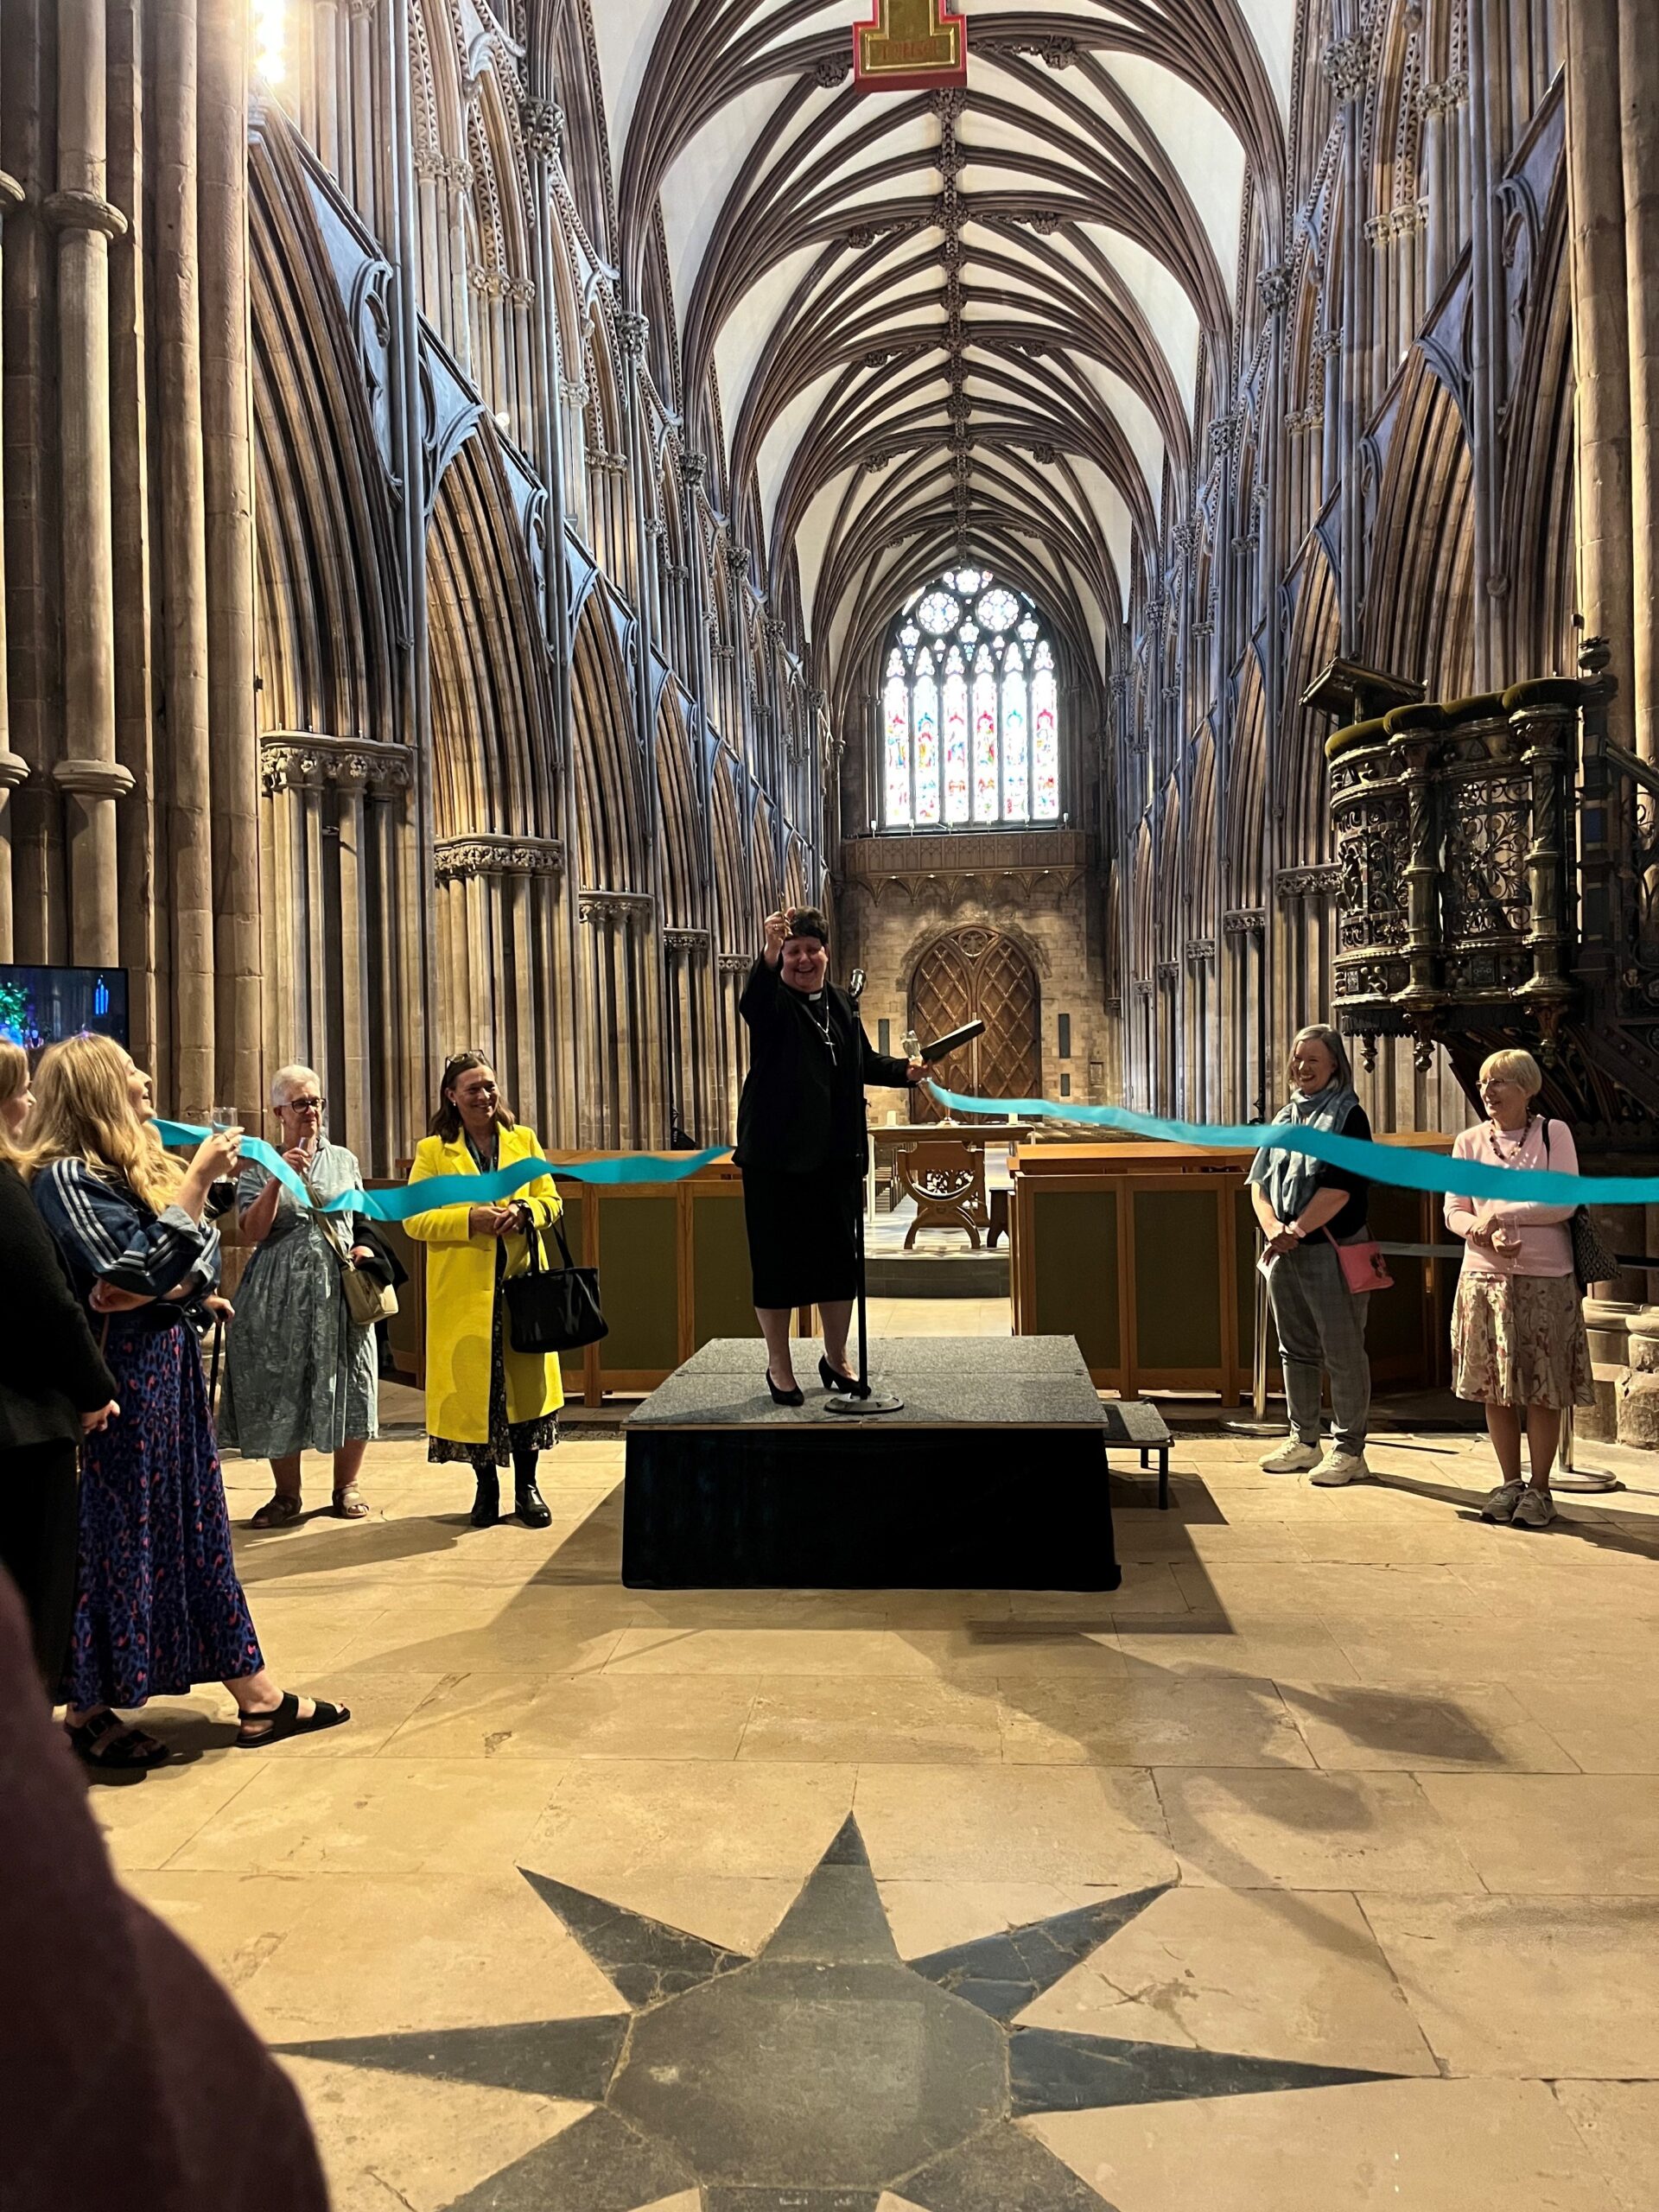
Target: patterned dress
300,1376
158,1607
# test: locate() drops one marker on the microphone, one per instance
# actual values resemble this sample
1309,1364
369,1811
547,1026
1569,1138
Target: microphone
942,1048
856,983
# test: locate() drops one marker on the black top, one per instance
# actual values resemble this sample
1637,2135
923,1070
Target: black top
50,1369
1350,1222
802,1102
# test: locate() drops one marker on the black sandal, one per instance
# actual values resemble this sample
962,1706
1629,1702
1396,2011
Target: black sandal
107,1744
285,1721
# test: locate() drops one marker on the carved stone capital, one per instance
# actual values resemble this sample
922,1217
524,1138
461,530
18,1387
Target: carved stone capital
1346,63
1245,921
297,760
1199,948
84,211
92,778
612,905
1307,882
544,127
457,860
692,942
1443,99
632,332
735,963
1275,286
14,769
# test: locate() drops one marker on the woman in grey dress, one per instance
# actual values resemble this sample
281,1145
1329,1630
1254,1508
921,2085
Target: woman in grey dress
299,1373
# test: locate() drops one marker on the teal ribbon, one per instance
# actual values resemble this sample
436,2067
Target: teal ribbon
457,1190
1378,1163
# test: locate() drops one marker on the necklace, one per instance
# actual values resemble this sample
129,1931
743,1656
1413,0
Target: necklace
1516,1144
818,1008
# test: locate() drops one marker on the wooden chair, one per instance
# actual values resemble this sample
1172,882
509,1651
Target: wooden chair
946,1178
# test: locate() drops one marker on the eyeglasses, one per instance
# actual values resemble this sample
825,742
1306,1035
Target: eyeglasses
302,1105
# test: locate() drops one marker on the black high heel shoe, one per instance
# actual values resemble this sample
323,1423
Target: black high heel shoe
796,1397
845,1386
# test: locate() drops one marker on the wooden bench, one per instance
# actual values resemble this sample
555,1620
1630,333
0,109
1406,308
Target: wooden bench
1133,1422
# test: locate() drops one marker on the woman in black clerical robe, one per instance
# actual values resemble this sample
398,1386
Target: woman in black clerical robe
801,1143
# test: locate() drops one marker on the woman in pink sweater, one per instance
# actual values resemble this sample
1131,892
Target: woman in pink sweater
1518,1340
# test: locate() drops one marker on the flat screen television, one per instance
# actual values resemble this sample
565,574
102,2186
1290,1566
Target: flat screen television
42,1006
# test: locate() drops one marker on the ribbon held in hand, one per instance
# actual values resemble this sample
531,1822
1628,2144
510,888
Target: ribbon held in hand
499,1184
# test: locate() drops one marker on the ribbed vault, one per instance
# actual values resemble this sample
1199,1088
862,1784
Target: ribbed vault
914,328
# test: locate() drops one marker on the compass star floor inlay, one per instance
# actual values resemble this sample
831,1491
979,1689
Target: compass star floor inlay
1311,1871
819,2073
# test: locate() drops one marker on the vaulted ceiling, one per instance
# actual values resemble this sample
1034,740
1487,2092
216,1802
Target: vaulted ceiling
988,322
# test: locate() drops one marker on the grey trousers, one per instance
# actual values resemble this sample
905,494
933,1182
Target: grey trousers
1321,1326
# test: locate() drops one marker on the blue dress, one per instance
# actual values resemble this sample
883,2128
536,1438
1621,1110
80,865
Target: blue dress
300,1376
158,1606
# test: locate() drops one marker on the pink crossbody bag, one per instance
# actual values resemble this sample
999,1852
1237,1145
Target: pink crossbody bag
1364,1267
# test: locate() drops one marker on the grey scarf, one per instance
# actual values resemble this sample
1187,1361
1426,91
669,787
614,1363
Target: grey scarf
1291,1178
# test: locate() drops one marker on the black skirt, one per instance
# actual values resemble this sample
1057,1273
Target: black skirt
802,1232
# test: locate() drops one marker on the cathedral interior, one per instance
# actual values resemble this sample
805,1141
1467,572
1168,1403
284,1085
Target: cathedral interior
1153,529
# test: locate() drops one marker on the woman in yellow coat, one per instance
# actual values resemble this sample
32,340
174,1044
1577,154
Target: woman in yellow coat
486,1403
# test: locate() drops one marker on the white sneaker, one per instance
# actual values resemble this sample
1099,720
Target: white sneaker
1501,1503
1292,1459
1536,1509
1339,1467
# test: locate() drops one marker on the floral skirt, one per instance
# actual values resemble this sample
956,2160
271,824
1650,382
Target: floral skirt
1519,1340
158,1607
505,1437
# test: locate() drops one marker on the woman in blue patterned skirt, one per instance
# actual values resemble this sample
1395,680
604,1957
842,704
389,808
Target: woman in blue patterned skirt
158,1606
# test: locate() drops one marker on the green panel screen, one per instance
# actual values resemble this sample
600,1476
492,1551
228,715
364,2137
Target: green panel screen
574,1225
1074,1236
638,1281
1247,1275
722,1287
1177,1270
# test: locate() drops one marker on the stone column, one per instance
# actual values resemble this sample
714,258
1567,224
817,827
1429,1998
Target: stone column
1638,86
14,769
183,564
1595,190
227,454
359,1014
84,221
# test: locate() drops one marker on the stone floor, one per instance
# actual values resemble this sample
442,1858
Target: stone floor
1327,1844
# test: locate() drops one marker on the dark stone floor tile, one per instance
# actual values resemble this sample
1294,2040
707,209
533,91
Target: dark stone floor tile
646,1959
598,2165
1053,2072
546,2058
1004,1973
1002,2170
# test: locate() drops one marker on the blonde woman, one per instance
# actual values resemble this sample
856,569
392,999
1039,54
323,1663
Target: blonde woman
1519,1344
158,1607
53,1390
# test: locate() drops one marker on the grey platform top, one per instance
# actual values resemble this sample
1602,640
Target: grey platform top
945,1381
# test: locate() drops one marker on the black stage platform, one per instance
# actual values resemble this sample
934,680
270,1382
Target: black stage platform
992,1477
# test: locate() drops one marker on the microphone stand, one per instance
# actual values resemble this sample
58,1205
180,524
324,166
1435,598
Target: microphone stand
863,1401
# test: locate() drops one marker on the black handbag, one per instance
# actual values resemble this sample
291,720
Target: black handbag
553,1309
1592,1261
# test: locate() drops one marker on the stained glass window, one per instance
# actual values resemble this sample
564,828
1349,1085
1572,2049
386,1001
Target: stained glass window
898,741
927,749
956,794
971,709
1044,738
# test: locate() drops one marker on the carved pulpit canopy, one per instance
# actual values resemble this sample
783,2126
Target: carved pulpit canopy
1354,694
911,46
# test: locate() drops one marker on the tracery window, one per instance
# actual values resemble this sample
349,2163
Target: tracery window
970,709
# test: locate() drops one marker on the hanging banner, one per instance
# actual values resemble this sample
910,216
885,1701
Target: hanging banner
911,46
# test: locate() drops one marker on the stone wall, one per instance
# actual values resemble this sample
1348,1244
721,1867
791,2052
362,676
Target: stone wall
886,928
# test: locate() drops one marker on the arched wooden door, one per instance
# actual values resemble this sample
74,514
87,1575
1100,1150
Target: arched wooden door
976,974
